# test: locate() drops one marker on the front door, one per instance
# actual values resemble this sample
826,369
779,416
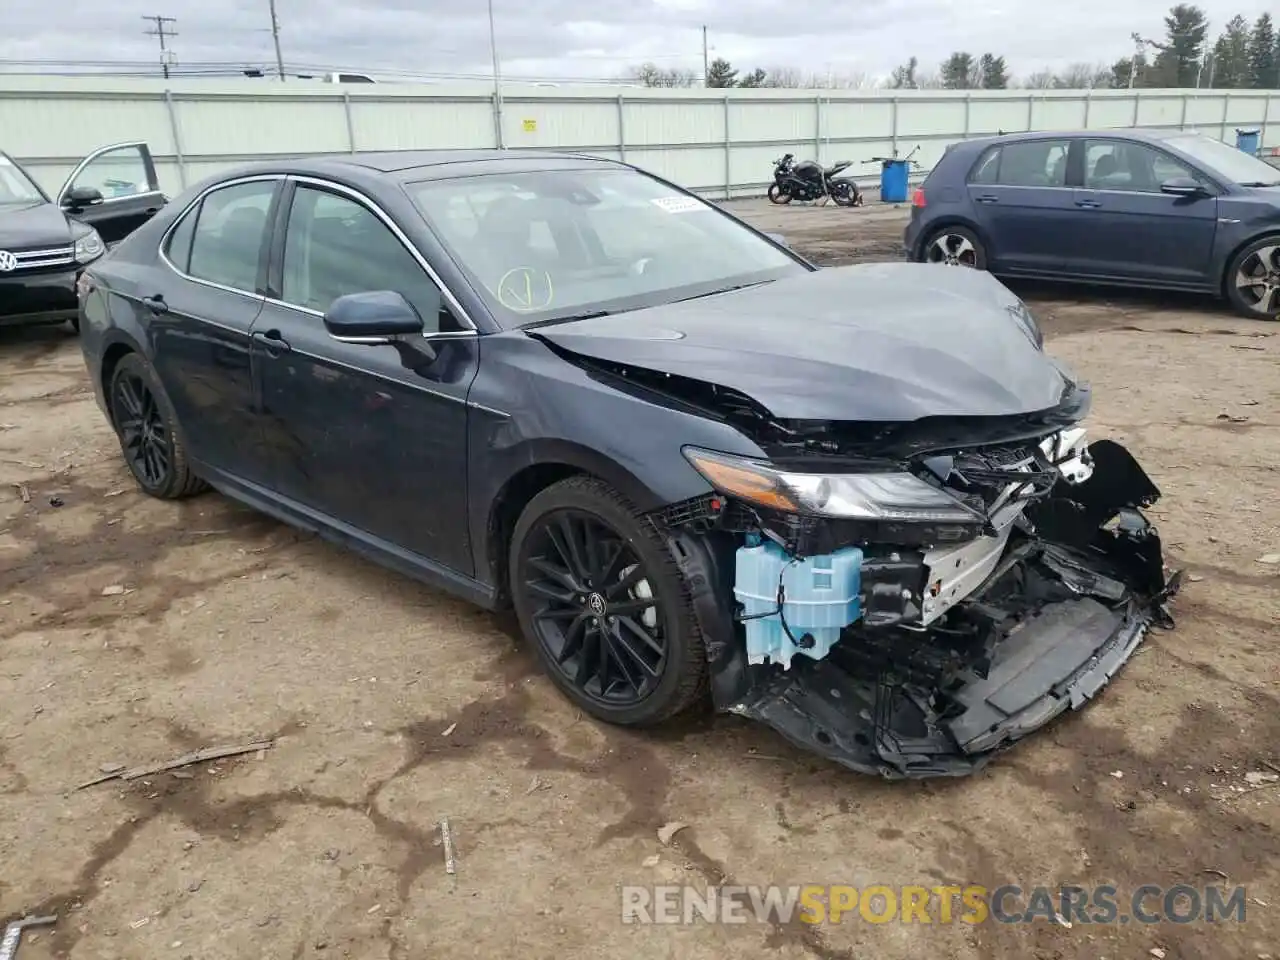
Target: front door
200,317
1131,230
372,436
115,190
1021,202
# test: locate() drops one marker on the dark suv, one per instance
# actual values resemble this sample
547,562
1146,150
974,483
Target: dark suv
46,242
1165,209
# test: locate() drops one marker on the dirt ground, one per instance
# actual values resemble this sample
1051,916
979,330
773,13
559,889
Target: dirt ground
134,631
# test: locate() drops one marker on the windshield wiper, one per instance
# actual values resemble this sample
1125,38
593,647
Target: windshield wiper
715,293
1262,183
552,321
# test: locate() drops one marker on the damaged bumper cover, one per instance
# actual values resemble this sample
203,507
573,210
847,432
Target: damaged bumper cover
1066,596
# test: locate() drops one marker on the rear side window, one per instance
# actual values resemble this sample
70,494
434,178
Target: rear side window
226,244
1031,163
178,247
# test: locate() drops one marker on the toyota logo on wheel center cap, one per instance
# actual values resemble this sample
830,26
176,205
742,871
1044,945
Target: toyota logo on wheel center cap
8,261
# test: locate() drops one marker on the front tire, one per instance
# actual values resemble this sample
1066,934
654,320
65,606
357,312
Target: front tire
601,600
1253,280
955,247
150,438
778,195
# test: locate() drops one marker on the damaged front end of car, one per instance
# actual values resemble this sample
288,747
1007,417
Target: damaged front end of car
907,599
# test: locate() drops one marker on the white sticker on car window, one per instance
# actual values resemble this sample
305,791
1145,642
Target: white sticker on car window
679,204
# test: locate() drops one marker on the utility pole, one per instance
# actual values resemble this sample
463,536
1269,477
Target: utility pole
275,37
163,34
497,83
706,66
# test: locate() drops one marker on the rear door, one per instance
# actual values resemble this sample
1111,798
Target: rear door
1129,229
123,177
200,318
1022,204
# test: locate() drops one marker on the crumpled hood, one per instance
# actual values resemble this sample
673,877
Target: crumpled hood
32,227
881,342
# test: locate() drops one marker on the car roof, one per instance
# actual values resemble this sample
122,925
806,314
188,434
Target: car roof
411,165
1137,134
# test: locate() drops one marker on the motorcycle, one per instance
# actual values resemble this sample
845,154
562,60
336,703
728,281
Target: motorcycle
808,180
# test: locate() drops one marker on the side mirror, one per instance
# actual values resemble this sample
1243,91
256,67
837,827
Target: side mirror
779,239
374,317
1183,187
83,197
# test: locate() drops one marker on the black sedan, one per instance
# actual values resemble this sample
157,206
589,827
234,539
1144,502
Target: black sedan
1145,208
46,241
853,503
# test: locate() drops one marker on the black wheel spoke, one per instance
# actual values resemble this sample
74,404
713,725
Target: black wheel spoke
642,632
624,643
590,599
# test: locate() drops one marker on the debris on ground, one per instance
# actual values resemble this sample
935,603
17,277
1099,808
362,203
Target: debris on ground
13,933
1256,778
197,756
449,729
446,838
115,590
1157,953
23,492
667,832
1269,558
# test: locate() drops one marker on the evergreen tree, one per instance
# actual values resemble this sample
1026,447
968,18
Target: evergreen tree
1262,54
1180,58
957,71
993,72
1231,65
721,74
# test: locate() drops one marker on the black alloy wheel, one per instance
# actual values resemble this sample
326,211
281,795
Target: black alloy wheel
778,195
601,599
595,611
144,436
145,423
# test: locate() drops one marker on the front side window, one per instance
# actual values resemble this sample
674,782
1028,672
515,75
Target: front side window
16,188
230,228
335,246
553,244
121,172
1127,166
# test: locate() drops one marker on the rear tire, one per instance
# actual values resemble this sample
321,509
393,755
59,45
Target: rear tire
845,194
150,438
778,195
955,247
1252,282
600,598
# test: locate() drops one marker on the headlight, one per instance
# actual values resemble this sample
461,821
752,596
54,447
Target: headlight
862,496
89,247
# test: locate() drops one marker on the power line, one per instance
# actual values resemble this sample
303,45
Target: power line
162,34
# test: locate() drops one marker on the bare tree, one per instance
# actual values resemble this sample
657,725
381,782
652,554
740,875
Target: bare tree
1077,76
849,80
652,75
783,77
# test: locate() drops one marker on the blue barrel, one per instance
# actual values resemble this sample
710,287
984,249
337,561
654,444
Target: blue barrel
893,180
1248,140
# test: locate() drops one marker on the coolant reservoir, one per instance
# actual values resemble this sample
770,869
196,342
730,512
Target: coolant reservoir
820,598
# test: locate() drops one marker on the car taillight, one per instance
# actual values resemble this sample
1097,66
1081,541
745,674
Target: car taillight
917,198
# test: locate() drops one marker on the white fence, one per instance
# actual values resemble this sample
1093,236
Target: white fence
718,142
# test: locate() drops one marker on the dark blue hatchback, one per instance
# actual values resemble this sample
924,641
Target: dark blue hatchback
1163,209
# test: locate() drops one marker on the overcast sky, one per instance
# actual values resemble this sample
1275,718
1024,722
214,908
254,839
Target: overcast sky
561,39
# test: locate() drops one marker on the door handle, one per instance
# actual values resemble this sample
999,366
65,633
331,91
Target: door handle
155,304
1089,204
272,342
987,198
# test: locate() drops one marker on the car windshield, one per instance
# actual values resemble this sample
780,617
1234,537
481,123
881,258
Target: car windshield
1226,161
542,246
15,186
